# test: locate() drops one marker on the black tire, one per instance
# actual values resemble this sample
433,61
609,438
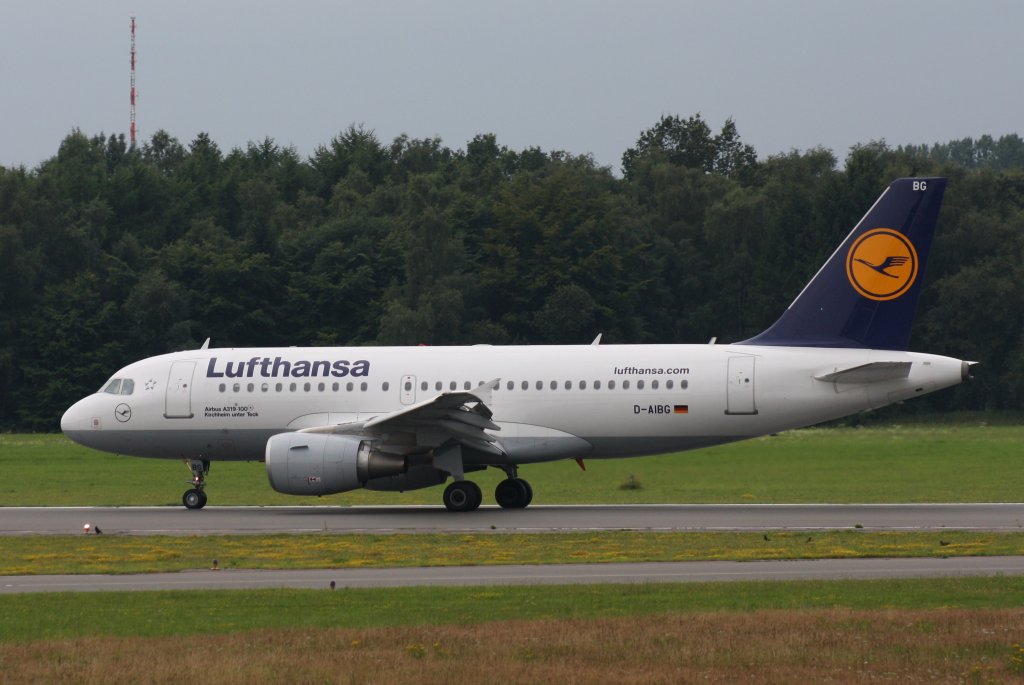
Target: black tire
529,492
512,493
462,495
194,499
478,495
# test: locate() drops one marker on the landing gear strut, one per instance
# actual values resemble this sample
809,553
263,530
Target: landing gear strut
196,497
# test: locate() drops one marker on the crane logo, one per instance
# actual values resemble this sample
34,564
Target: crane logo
123,413
882,264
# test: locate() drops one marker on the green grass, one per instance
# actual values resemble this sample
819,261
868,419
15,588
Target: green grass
30,555
920,463
179,613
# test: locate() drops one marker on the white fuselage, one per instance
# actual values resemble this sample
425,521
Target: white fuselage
552,402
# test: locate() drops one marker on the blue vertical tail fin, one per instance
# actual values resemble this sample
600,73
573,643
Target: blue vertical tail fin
866,293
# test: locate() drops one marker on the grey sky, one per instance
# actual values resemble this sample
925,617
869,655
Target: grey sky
559,74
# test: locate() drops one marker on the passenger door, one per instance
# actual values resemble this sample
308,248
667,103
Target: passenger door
740,388
178,403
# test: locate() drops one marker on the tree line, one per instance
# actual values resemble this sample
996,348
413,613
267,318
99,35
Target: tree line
109,253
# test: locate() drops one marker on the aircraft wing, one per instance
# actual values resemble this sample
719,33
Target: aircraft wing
462,416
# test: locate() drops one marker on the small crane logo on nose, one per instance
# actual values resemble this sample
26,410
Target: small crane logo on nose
122,413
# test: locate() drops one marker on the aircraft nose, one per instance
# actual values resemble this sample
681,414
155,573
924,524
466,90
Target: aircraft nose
73,420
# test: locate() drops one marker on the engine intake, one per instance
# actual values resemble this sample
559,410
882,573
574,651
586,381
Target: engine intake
318,464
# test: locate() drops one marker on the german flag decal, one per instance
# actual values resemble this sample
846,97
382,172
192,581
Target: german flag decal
681,409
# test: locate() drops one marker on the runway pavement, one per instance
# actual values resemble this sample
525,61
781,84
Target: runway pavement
424,519
559,574
435,519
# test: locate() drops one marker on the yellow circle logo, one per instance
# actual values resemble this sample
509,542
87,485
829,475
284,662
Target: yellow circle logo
882,264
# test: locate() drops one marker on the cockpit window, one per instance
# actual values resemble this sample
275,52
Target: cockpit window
120,386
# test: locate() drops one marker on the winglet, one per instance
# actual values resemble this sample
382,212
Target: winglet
483,392
866,294
206,345
597,340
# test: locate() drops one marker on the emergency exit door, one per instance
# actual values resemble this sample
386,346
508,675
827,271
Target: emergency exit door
408,389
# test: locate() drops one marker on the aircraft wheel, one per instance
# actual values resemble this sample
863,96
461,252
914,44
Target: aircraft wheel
529,491
194,499
462,495
513,493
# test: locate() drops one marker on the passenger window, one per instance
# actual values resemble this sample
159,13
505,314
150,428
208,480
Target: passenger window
554,385
222,387
114,387
292,387
611,385
128,386
320,387
385,386
466,386
640,384
668,384
453,385
540,385
583,385
654,384
278,387
363,386
684,384
236,387
349,387
335,387
408,386
423,386
597,385
305,386
265,387
438,386
625,385
511,385
568,385
526,385
250,387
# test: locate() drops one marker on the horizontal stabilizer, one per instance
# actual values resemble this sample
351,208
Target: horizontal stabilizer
868,373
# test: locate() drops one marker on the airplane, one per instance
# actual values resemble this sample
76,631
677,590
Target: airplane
328,420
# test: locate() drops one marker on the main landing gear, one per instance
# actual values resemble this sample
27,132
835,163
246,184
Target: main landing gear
196,497
511,493
462,495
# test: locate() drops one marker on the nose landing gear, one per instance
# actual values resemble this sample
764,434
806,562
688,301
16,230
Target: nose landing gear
196,497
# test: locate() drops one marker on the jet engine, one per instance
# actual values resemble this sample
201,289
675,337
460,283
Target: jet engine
318,464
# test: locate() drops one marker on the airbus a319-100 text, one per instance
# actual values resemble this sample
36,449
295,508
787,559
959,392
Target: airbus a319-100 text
331,420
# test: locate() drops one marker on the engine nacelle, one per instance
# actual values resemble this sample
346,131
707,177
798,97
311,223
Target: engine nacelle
318,464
